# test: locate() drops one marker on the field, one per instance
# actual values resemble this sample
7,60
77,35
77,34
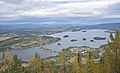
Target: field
4,38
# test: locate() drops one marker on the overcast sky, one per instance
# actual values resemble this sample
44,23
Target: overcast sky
59,11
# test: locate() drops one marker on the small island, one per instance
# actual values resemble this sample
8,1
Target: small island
73,40
47,49
84,39
58,44
84,31
110,31
99,38
65,36
92,41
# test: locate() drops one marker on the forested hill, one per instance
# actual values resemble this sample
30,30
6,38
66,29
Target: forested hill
109,26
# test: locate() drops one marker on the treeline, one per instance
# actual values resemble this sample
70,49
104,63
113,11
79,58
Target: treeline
109,62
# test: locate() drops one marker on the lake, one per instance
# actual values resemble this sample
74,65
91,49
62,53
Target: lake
66,42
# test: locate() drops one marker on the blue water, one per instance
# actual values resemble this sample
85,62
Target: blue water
65,43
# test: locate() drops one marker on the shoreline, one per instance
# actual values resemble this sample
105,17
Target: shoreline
68,49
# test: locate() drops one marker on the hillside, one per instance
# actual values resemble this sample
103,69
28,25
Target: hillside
108,26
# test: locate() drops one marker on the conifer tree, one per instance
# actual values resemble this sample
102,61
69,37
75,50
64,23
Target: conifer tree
14,66
6,56
90,63
112,54
36,64
62,61
79,68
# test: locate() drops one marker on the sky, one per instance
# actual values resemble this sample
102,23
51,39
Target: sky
78,12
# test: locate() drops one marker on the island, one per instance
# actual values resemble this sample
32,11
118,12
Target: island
73,40
58,44
92,41
84,31
65,36
84,39
99,38
110,31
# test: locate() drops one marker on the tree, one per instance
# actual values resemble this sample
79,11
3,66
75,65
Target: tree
6,56
14,66
36,64
112,54
62,61
5,61
78,64
91,66
79,58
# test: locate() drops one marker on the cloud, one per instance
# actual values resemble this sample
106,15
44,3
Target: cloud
20,9
114,10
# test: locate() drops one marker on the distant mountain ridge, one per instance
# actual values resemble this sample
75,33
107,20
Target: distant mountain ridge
108,26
